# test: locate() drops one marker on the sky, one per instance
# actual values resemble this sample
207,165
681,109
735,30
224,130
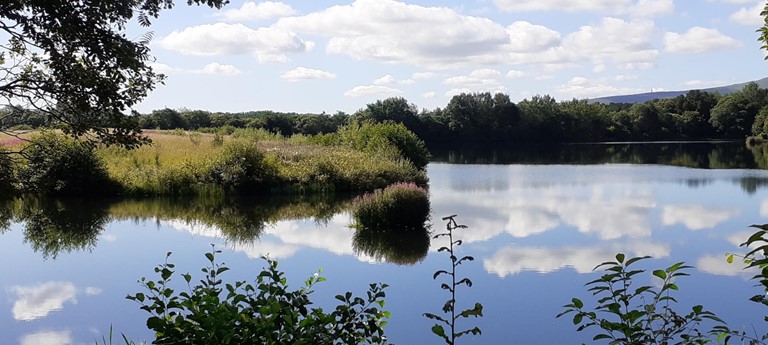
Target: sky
327,56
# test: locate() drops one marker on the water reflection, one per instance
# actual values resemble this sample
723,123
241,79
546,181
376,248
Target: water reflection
392,246
696,217
702,155
47,338
37,301
512,260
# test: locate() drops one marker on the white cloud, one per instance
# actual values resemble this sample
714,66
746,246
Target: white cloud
37,301
749,16
527,37
93,291
387,79
210,69
717,265
428,95
628,7
457,91
698,40
696,217
268,44
580,87
47,338
512,259
271,249
407,82
371,90
257,11
526,221
478,77
624,42
303,73
515,74
764,208
599,68
219,69
437,37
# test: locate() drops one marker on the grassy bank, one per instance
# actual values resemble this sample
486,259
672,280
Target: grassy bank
252,162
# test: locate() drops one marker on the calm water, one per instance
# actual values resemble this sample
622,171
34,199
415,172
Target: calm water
537,226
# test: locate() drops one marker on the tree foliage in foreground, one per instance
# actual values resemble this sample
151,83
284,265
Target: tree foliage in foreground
72,62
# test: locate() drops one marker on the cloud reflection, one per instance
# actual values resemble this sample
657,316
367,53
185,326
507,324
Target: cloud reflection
717,265
35,302
47,338
515,259
606,216
696,217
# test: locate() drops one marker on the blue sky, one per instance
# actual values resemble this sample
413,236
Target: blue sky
315,56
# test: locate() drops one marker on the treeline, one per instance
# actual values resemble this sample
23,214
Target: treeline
493,118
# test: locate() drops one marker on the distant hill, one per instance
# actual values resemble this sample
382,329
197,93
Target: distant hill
644,97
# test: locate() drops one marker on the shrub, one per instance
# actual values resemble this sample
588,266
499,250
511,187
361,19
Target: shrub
242,167
399,207
267,312
59,165
627,314
380,137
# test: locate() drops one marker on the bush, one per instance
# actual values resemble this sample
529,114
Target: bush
381,137
399,207
212,312
60,165
626,314
241,167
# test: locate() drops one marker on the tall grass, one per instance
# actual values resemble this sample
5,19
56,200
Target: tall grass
196,164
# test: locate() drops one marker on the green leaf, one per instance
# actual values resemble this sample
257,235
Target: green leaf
438,330
620,257
660,273
729,259
577,303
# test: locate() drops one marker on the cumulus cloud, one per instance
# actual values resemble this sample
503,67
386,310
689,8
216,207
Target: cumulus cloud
423,75
624,42
628,7
303,73
213,68
513,259
696,217
515,74
484,77
371,90
387,79
717,265
37,301
257,11
396,32
268,44
429,94
48,338
698,40
749,16
580,87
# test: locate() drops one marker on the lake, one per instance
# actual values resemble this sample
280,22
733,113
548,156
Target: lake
539,218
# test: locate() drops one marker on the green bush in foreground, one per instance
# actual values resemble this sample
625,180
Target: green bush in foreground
60,165
401,207
263,313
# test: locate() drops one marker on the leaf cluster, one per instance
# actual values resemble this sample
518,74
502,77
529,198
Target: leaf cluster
265,312
629,314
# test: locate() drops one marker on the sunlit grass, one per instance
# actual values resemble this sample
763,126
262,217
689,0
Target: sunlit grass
180,163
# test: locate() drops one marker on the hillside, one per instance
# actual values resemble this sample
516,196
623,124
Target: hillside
644,97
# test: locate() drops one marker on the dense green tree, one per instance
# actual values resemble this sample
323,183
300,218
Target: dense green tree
194,119
167,119
74,62
395,109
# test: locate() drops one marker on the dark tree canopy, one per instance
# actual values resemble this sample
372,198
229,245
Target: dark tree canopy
72,61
